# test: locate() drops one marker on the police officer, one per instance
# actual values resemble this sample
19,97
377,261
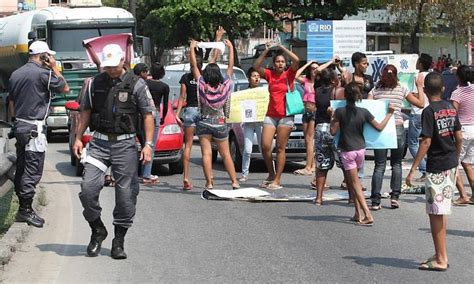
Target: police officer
111,110
30,89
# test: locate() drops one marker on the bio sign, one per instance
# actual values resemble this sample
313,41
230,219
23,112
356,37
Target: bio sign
329,38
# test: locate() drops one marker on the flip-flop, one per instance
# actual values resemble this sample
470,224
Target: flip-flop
460,203
429,267
365,223
265,183
187,186
272,186
303,172
431,258
470,202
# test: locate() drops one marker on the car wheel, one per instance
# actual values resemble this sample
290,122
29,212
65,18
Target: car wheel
79,168
214,155
176,168
235,153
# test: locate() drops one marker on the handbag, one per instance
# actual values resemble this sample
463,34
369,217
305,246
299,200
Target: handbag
294,102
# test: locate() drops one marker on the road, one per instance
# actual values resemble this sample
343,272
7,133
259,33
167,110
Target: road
178,237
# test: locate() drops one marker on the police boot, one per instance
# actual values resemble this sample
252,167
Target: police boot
117,243
27,214
99,233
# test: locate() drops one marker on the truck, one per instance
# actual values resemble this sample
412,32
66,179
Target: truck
64,29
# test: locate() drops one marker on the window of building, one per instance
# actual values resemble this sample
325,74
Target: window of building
58,2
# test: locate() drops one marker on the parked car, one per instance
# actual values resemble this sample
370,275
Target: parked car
296,147
168,149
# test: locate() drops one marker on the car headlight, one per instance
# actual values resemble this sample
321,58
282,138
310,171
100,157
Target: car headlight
171,129
58,110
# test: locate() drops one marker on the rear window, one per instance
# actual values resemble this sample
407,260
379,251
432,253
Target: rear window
172,79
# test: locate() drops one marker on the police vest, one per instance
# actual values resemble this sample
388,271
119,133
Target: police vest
113,108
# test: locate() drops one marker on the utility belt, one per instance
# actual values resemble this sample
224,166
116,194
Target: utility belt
37,142
111,137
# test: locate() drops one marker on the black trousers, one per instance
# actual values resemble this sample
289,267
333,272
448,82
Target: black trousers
29,167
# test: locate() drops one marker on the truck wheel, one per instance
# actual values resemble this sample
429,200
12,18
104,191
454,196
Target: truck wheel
176,168
235,153
214,155
79,168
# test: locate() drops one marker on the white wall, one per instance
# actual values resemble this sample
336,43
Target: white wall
437,46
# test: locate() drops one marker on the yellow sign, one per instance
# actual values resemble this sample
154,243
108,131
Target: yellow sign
249,105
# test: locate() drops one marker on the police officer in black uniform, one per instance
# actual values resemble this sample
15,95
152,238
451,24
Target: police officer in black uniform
111,109
30,90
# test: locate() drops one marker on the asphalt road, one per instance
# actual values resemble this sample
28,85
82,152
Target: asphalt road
179,238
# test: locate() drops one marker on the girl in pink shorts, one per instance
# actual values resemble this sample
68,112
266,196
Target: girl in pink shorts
351,119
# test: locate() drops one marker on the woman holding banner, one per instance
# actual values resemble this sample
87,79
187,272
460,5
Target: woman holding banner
249,129
389,89
280,81
214,104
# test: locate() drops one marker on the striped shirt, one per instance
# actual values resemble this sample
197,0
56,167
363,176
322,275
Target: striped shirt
395,96
464,96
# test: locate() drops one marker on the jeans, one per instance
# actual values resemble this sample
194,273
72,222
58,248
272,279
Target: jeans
146,169
249,129
380,157
414,130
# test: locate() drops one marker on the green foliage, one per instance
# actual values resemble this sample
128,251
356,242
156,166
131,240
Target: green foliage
8,208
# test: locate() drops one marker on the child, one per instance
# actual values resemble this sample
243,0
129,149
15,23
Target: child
441,139
351,120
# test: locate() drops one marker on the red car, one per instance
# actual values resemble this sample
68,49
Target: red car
168,149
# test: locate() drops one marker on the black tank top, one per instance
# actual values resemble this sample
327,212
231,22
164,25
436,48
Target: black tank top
323,101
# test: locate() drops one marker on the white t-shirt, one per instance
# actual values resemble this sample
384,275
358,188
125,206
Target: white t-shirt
417,110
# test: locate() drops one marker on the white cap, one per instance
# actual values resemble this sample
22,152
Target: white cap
38,47
112,54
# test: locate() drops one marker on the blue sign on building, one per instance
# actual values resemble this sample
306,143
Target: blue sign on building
319,37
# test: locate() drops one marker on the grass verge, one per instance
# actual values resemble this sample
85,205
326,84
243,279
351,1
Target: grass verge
8,208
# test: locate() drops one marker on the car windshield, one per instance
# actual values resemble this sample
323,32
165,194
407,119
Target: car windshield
172,79
68,43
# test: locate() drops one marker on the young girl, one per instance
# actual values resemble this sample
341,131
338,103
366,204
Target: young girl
249,129
350,120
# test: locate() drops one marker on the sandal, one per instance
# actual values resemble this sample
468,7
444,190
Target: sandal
303,172
187,185
235,186
395,204
272,186
460,202
317,202
430,267
365,223
375,207
243,178
265,183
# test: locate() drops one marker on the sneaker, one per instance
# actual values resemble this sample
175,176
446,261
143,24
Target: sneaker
243,178
421,179
395,203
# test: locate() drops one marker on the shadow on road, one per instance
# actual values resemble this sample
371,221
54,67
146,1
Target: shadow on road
459,233
385,261
323,218
69,250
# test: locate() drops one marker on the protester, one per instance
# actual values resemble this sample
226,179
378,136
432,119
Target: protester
441,139
364,81
350,119
389,89
276,120
214,101
463,101
160,93
414,127
249,129
111,110
30,89
323,140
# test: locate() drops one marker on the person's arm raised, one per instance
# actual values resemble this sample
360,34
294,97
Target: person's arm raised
295,60
230,64
301,70
257,65
192,55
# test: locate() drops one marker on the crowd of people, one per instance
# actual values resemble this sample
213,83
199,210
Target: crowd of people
120,104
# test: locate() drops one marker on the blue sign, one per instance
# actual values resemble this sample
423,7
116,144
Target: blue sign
320,40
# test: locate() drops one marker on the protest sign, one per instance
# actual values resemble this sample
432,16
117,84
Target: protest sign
387,138
329,38
249,105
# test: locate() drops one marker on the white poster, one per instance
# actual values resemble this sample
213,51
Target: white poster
349,37
248,111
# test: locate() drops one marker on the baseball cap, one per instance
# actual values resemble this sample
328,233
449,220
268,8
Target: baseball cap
38,47
111,55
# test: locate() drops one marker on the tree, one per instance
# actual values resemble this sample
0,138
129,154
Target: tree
176,21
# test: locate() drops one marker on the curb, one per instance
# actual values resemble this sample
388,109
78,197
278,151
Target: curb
15,235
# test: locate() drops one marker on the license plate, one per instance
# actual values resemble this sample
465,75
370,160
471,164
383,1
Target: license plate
298,144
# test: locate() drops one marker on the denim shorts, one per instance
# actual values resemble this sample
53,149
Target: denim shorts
190,116
288,121
217,128
309,116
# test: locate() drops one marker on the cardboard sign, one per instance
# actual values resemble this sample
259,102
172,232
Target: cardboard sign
387,138
329,38
249,105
